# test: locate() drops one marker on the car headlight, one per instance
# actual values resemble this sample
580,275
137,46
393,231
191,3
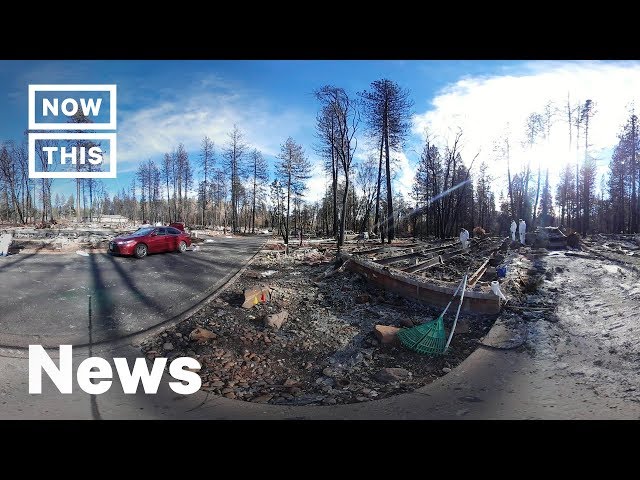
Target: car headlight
125,242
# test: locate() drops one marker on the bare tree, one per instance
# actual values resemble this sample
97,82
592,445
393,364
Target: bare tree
634,171
342,109
366,179
234,154
182,178
326,131
294,168
387,108
167,171
259,177
533,129
546,120
207,160
10,174
502,151
588,168
47,208
80,117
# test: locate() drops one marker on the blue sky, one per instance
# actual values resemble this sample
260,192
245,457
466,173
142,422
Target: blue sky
161,103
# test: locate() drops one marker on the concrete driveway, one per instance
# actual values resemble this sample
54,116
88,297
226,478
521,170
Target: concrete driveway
54,299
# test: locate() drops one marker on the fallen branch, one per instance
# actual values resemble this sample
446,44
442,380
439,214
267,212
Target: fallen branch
331,271
533,309
581,255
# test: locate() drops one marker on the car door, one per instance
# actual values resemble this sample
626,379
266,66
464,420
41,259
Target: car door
156,241
173,236
164,240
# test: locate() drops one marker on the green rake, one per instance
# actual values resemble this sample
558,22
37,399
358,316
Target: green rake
429,338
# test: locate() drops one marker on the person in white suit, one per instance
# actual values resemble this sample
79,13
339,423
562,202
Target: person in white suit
522,230
464,238
514,227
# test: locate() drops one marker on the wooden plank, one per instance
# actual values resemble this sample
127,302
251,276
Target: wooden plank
424,265
479,272
399,258
435,261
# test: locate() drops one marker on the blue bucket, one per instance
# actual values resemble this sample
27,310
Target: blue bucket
501,271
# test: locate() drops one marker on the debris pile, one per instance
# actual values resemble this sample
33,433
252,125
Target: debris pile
310,333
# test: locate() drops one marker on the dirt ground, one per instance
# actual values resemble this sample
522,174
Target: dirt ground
573,312
595,335
326,352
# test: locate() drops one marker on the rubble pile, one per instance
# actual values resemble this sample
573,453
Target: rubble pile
292,330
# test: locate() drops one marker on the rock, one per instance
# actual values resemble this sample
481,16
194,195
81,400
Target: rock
363,298
330,401
446,369
201,335
254,296
290,382
406,322
168,346
230,395
386,334
390,375
276,320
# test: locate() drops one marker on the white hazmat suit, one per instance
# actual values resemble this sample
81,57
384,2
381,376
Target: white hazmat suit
514,227
464,238
522,230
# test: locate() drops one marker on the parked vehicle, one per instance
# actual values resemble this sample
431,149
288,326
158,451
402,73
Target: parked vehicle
150,240
179,225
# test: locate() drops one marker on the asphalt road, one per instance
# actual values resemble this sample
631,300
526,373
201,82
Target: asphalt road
52,299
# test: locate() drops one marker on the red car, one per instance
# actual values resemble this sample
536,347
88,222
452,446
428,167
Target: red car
150,240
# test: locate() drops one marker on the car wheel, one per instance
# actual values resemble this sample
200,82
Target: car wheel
182,246
141,250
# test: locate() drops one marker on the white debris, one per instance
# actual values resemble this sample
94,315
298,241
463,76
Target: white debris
80,252
209,240
268,273
611,269
495,288
5,241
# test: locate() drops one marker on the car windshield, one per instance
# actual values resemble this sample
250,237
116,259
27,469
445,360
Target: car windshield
141,232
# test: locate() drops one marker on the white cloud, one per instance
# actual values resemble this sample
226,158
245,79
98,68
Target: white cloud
317,184
158,128
483,107
405,175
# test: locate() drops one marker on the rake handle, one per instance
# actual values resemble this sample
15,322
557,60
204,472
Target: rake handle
455,322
